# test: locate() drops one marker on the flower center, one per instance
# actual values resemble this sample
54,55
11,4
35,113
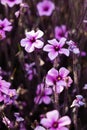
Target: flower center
32,40
56,48
55,125
11,0
59,78
1,27
61,34
46,8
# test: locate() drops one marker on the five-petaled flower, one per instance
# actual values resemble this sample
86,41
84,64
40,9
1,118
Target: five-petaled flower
5,26
11,3
55,48
57,79
32,41
53,122
45,8
43,93
61,31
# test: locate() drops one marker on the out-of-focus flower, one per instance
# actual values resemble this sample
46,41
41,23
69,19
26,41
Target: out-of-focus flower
17,13
53,122
4,87
83,53
10,97
39,128
68,81
78,101
55,48
42,94
73,47
31,70
2,35
6,121
85,87
5,25
11,3
61,31
18,117
55,78
45,8
32,41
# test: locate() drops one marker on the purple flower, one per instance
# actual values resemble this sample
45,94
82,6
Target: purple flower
55,78
10,97
73,47
78,101
18,117
53,122
43,93
45,8
5,25
11,3
61,31
31,70
32,41
55,48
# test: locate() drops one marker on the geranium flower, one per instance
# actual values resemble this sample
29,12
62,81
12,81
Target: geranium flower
53,122
55,78
55,48
61,31
43,94
11,3
5,25
32,41
45,8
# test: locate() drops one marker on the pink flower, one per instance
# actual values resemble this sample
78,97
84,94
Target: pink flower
61,31
45,8
32,41
55,48
43,93
11,3
53,122
55,78
5,25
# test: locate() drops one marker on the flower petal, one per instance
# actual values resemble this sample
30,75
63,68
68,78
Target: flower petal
46,99
52,55
63,121
63,72
53,115
64,51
